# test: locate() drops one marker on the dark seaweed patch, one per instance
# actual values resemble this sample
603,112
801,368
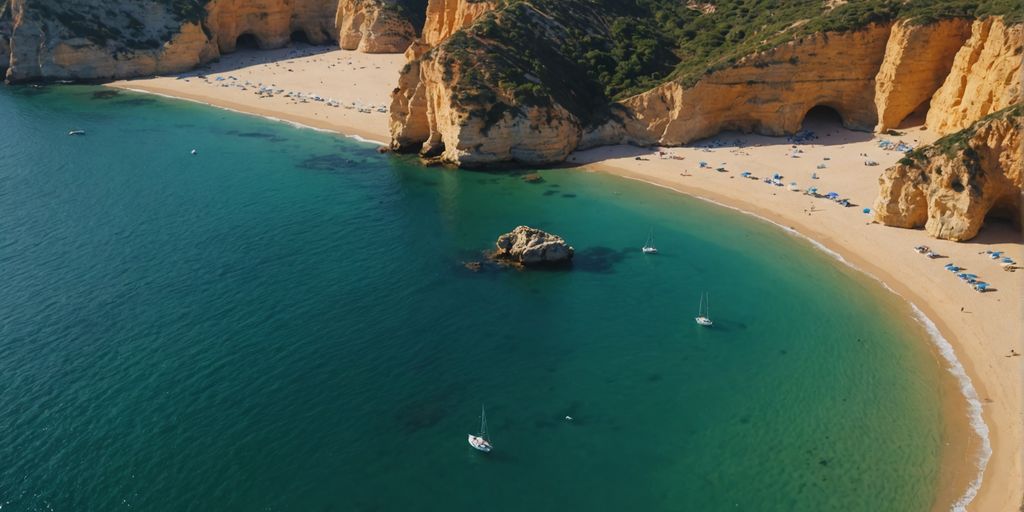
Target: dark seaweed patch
598,259
105,95
328,163
421,416
550,192
570,196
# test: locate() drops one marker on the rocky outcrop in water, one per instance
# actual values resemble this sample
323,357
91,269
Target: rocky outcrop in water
532,247
953,185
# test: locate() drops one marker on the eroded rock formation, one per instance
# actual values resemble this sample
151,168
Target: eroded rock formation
445,17
769,92
986,77
49,39
476,106
450,103
917,60
950,187
529,246
43,46
374,26
270,22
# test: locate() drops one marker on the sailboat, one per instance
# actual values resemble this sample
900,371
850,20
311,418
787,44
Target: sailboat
649,247
703,311
480,441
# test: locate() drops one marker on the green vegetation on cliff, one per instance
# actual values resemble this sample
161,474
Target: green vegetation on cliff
958,142
584,54
128,26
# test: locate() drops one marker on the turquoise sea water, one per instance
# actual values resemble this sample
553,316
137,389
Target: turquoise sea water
283,322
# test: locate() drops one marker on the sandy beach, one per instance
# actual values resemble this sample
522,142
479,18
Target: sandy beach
354,89
982,328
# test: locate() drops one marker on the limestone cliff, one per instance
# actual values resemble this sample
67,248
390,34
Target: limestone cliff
769,92
500,88
58,41
5,36
477,106
444,17
375,26
271,23
950,187
54,40
917,60
985,77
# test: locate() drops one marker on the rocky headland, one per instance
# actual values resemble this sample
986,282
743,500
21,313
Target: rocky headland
950,187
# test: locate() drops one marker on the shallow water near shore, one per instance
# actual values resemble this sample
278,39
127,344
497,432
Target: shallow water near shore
284,322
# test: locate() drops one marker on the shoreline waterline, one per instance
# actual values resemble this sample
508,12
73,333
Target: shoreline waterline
943,336
953,366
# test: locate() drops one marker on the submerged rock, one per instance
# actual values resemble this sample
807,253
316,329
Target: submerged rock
530,247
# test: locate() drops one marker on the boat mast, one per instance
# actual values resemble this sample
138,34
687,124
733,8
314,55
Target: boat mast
483,422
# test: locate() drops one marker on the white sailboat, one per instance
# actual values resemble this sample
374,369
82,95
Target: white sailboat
649,247
703,311
480,441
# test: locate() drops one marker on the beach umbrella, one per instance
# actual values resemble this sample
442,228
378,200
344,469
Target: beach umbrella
867,210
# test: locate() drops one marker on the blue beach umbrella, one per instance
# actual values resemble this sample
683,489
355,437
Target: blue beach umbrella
867,210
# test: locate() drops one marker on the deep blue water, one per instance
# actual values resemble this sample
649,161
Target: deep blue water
284,322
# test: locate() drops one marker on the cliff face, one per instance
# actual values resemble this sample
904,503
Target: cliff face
985,77
457,132
951,186
270,22
50,39
917,60
473,101
444,17
770,92
374,26
874,77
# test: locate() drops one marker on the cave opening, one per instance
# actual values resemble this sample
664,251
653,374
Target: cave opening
299,36
1007,211
821,118
417,12
916,117
247,41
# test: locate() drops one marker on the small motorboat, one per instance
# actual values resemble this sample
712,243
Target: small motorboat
76,132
